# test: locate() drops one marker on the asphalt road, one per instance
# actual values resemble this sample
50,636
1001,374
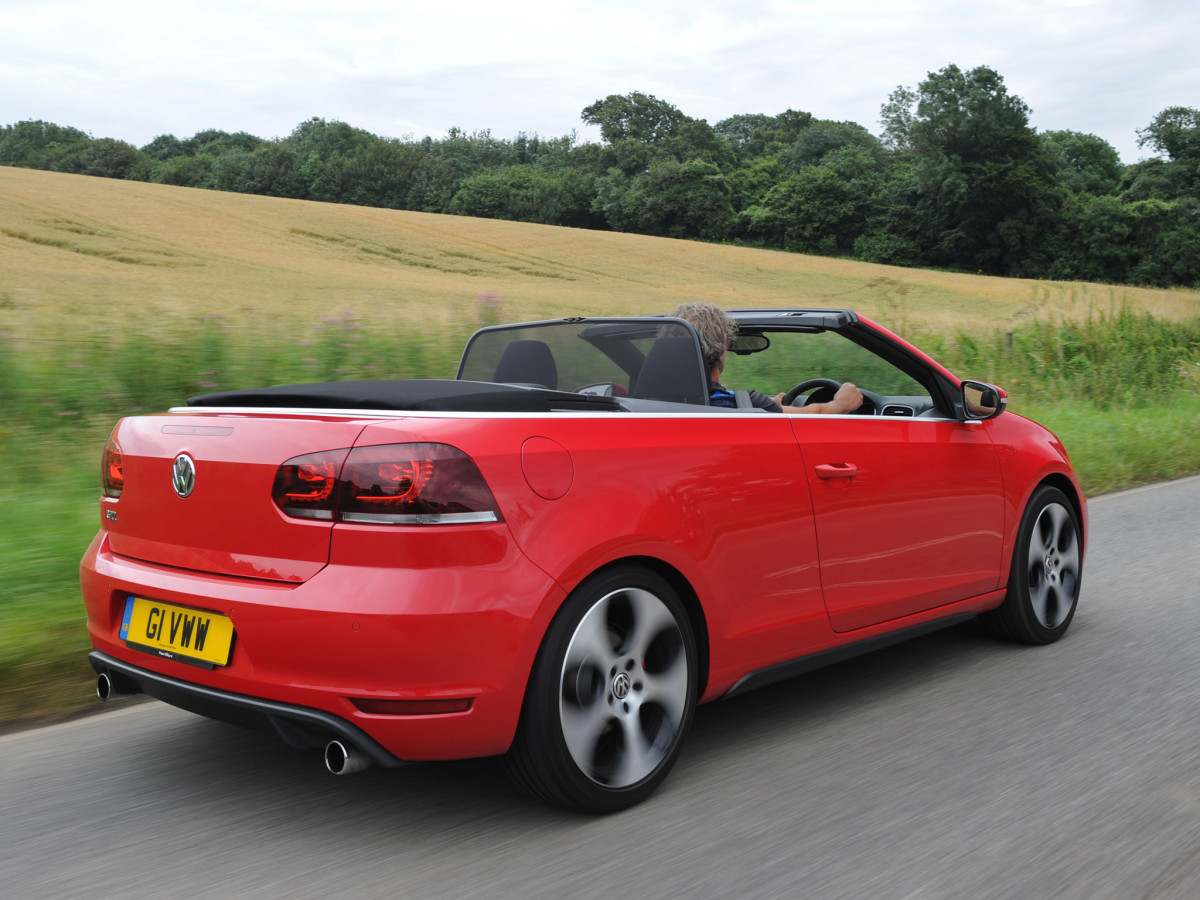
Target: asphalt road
952,766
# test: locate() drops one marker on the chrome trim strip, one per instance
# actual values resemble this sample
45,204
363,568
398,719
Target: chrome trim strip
306,412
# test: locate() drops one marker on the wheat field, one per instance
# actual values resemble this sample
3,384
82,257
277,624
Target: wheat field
82,255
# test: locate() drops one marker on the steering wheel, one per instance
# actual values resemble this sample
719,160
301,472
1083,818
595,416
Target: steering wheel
789,399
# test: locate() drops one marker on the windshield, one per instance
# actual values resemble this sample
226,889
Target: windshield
795,357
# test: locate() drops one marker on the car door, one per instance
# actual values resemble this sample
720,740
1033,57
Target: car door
909,513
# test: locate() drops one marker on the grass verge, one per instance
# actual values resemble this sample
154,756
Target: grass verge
49,489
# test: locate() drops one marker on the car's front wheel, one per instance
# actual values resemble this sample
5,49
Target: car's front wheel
1043,587
611,694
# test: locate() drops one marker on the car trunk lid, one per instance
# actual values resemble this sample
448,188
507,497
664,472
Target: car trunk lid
216,514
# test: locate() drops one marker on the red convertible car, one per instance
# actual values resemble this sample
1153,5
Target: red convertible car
558,554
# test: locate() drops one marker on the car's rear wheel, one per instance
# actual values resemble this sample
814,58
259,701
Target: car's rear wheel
611,694
1043,587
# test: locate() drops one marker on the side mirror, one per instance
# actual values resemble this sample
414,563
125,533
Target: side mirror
982,401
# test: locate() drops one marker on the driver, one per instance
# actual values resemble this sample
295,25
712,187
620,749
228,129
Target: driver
716,330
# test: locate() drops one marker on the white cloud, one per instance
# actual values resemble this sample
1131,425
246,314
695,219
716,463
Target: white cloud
132,69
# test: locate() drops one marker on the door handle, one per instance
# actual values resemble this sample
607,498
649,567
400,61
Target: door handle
827,471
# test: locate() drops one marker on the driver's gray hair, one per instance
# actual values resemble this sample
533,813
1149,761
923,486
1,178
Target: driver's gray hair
715,328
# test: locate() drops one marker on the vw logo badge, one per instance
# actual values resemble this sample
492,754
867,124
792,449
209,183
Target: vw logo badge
621,686
183,475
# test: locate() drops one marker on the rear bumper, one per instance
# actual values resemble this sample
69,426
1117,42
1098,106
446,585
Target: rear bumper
306,656
297,726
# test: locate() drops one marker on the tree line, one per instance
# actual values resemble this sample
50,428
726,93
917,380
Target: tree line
957,179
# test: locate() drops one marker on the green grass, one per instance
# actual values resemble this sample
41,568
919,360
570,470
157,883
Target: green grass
1114,447
1110,359
49,491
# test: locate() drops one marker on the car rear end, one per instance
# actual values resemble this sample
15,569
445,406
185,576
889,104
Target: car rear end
331,577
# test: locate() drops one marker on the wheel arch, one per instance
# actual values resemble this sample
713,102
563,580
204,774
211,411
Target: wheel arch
687,596
1021,617
1073,493
1047,477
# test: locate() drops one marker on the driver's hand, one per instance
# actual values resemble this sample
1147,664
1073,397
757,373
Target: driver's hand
847,399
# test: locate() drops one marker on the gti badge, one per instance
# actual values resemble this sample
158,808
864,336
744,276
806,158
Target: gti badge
183,475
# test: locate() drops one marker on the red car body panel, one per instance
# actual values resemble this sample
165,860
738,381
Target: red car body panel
778,552
908,532
215,530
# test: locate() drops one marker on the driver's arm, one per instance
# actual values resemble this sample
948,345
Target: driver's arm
847,399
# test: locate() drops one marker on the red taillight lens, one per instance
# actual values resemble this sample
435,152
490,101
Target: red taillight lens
386,484
393,484
305,487
112,470
413,484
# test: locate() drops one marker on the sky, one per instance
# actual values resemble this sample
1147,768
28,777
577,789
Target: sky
135,69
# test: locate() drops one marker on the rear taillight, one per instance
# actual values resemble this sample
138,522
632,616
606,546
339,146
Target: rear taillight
112,470
393,484
305,487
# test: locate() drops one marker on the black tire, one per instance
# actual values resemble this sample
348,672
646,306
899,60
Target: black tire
611,695
1047,569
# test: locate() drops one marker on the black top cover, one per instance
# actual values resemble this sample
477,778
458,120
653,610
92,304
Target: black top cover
411,394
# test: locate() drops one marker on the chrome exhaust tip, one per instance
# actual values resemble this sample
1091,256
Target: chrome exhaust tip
107,689
343,759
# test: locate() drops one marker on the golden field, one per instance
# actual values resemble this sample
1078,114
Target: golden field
80,254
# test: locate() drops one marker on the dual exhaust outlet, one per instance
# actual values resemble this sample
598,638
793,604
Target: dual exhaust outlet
341,758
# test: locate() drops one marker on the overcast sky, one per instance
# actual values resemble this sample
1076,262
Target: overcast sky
134,69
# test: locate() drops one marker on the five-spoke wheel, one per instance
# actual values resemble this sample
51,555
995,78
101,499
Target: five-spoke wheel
611,695
1043,587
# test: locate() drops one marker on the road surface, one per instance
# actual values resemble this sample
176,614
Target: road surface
953,766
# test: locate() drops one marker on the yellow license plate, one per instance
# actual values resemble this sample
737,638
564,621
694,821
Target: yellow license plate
177,632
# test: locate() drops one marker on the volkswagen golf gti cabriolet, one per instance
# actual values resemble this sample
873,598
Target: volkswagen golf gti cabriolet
556,555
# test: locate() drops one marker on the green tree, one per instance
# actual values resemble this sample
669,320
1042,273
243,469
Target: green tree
751,181
823,137
326,139
753,136
35,144
672,199
272,170
983,183
212,142
164,147
109,158
184,171
468,154
695,139
1085,163
888,235
739,131
634,117
1101,239
821,208
897,117
803,213
526,194
1148,179
1174,132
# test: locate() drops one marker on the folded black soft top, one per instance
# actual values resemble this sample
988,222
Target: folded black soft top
410,394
